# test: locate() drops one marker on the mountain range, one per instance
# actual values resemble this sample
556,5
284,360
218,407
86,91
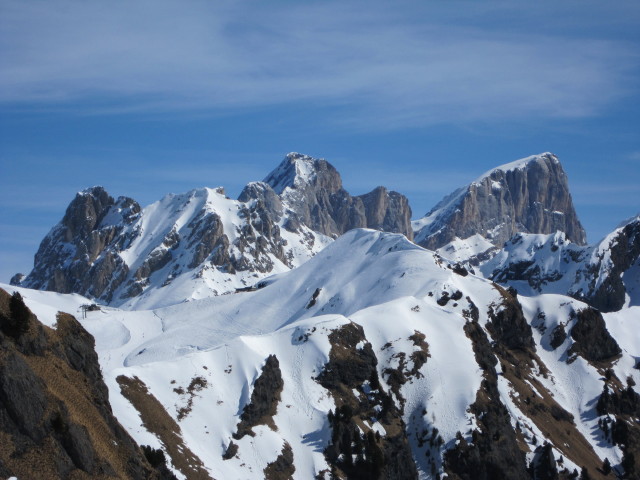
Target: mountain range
302,332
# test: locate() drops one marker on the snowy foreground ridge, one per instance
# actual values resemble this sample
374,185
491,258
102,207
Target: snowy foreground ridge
201,360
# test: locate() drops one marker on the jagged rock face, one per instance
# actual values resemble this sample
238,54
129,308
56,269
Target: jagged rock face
55,416
593,340
113,251
202,241
74,257
264,399
530,195
345,375
494,453
312,190
604,275
387,211
508,324
614,269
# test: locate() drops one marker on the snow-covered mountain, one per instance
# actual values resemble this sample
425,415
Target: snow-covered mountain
203,243
313,348
530,195
374,359
605,275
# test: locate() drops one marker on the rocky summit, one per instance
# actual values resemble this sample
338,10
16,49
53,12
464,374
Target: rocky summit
529,195
298,332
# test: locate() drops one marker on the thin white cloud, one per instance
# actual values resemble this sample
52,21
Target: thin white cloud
379,67
634,156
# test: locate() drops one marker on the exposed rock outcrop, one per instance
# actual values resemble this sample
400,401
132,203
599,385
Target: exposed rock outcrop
283,467
157,421
508,325
55,417
351,369
529,195
264,399
592,339
612,260
79,254
494,453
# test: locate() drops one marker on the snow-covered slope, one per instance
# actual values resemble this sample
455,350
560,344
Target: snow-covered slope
605,275
373,334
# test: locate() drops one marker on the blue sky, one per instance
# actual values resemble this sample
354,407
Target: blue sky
151,97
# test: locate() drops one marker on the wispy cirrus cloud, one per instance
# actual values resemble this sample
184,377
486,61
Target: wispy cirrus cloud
361,64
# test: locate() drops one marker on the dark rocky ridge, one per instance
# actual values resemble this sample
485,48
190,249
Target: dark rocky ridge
377,457
494,453
607,292
55,417
533,197
508,324
264,399
592,339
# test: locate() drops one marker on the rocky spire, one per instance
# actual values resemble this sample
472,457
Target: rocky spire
73,257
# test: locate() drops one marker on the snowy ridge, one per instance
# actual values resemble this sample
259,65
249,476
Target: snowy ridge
434,219
396,291
459,250
180,215
182,247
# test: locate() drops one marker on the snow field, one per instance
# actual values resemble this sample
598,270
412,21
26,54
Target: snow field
381,281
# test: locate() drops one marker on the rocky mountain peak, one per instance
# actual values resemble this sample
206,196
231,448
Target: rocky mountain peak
523,163
298,172
86,210
311,192
529,195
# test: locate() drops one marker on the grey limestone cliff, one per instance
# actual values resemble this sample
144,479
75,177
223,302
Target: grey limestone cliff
311,189
78,254
529,195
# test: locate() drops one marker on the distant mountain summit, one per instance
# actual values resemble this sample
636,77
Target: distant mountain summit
202,243
530,195
312,192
